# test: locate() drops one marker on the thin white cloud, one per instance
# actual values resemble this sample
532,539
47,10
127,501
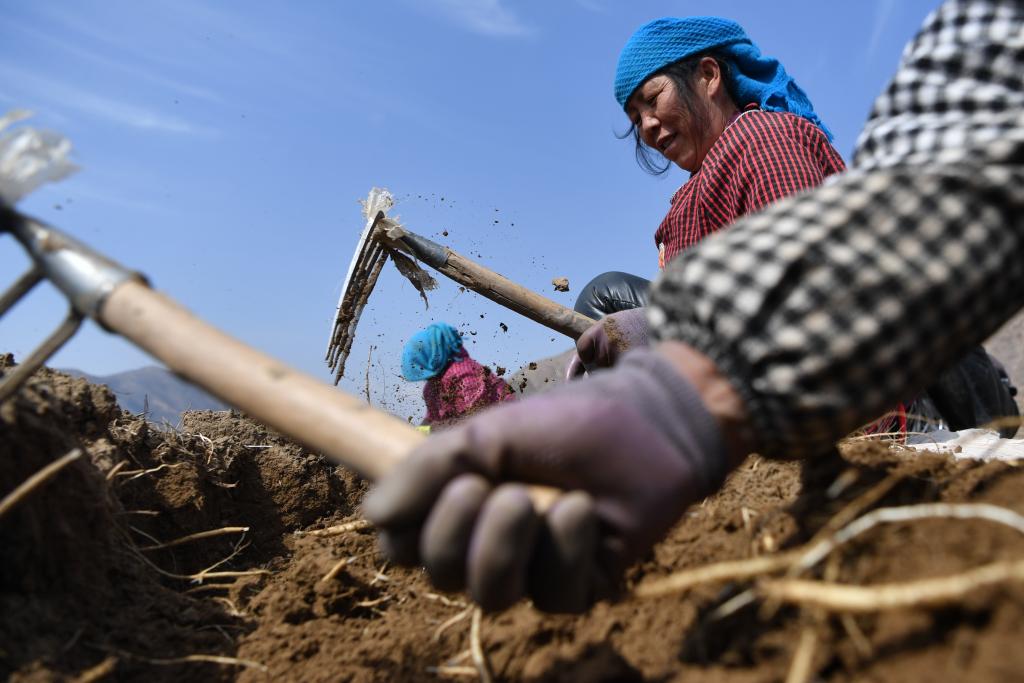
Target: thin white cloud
128,67
62,96
883,12
486,17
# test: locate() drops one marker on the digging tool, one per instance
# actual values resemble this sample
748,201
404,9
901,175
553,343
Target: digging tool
327,420
384,238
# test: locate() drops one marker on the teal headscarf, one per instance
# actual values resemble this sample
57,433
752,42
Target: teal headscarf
754,77
429,351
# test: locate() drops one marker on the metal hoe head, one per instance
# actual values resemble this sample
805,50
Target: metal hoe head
370,256
82,275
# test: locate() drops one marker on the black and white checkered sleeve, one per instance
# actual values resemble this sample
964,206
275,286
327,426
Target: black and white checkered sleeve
831,306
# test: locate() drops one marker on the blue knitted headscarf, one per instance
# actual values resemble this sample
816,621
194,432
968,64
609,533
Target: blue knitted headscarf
429,351
754,77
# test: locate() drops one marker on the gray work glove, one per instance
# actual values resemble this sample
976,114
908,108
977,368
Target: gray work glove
630,448
606,340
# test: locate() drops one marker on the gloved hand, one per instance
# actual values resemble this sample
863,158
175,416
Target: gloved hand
631,448
606,340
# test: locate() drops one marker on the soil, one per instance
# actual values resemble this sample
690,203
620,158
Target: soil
84,597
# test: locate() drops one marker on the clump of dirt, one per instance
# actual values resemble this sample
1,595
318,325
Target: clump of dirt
304,595
561,284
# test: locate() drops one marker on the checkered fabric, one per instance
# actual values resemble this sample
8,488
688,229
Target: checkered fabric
760,158
829,307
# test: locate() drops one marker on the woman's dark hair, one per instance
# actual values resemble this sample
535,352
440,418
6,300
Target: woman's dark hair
683,74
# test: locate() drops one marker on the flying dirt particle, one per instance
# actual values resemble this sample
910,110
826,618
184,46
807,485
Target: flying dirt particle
503,326
499,371
473,332
481,315
444,232
58,207
533,366
461,289
561,284
495,221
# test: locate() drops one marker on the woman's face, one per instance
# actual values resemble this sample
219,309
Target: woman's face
660,117
663,125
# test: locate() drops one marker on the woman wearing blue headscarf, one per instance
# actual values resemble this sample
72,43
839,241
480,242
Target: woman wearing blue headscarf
699,94
456,385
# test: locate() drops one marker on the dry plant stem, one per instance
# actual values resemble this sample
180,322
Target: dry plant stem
198,536
115,469
476,648
135,474
857,637
801,668
199,577
357,525
857,506
451,622
37,480
721,571
862,599
338,566
993,513
212,659
98,672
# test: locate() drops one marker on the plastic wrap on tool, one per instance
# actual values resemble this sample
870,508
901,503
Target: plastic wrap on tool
30,157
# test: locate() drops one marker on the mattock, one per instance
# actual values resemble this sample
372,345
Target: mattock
383,237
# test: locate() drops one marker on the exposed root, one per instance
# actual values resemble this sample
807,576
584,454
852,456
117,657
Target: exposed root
115,469
451,622
801,668
37,480
993,513
357,525
135,474
211,659
733,570
98,672
476,648
837,597
338,566
437,597
197,536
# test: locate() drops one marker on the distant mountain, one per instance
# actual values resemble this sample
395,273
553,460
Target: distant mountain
167,395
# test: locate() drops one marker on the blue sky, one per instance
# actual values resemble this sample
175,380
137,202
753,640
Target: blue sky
224,146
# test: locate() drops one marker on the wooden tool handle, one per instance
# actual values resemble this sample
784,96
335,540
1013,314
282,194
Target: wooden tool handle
340,426
501,290
490,284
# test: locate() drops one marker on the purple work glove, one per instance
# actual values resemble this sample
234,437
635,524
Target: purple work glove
606,340
630,448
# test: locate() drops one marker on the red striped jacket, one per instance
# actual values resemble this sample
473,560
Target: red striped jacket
760,158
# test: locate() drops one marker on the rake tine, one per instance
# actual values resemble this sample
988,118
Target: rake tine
16,377
20,288
364,265
360,303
